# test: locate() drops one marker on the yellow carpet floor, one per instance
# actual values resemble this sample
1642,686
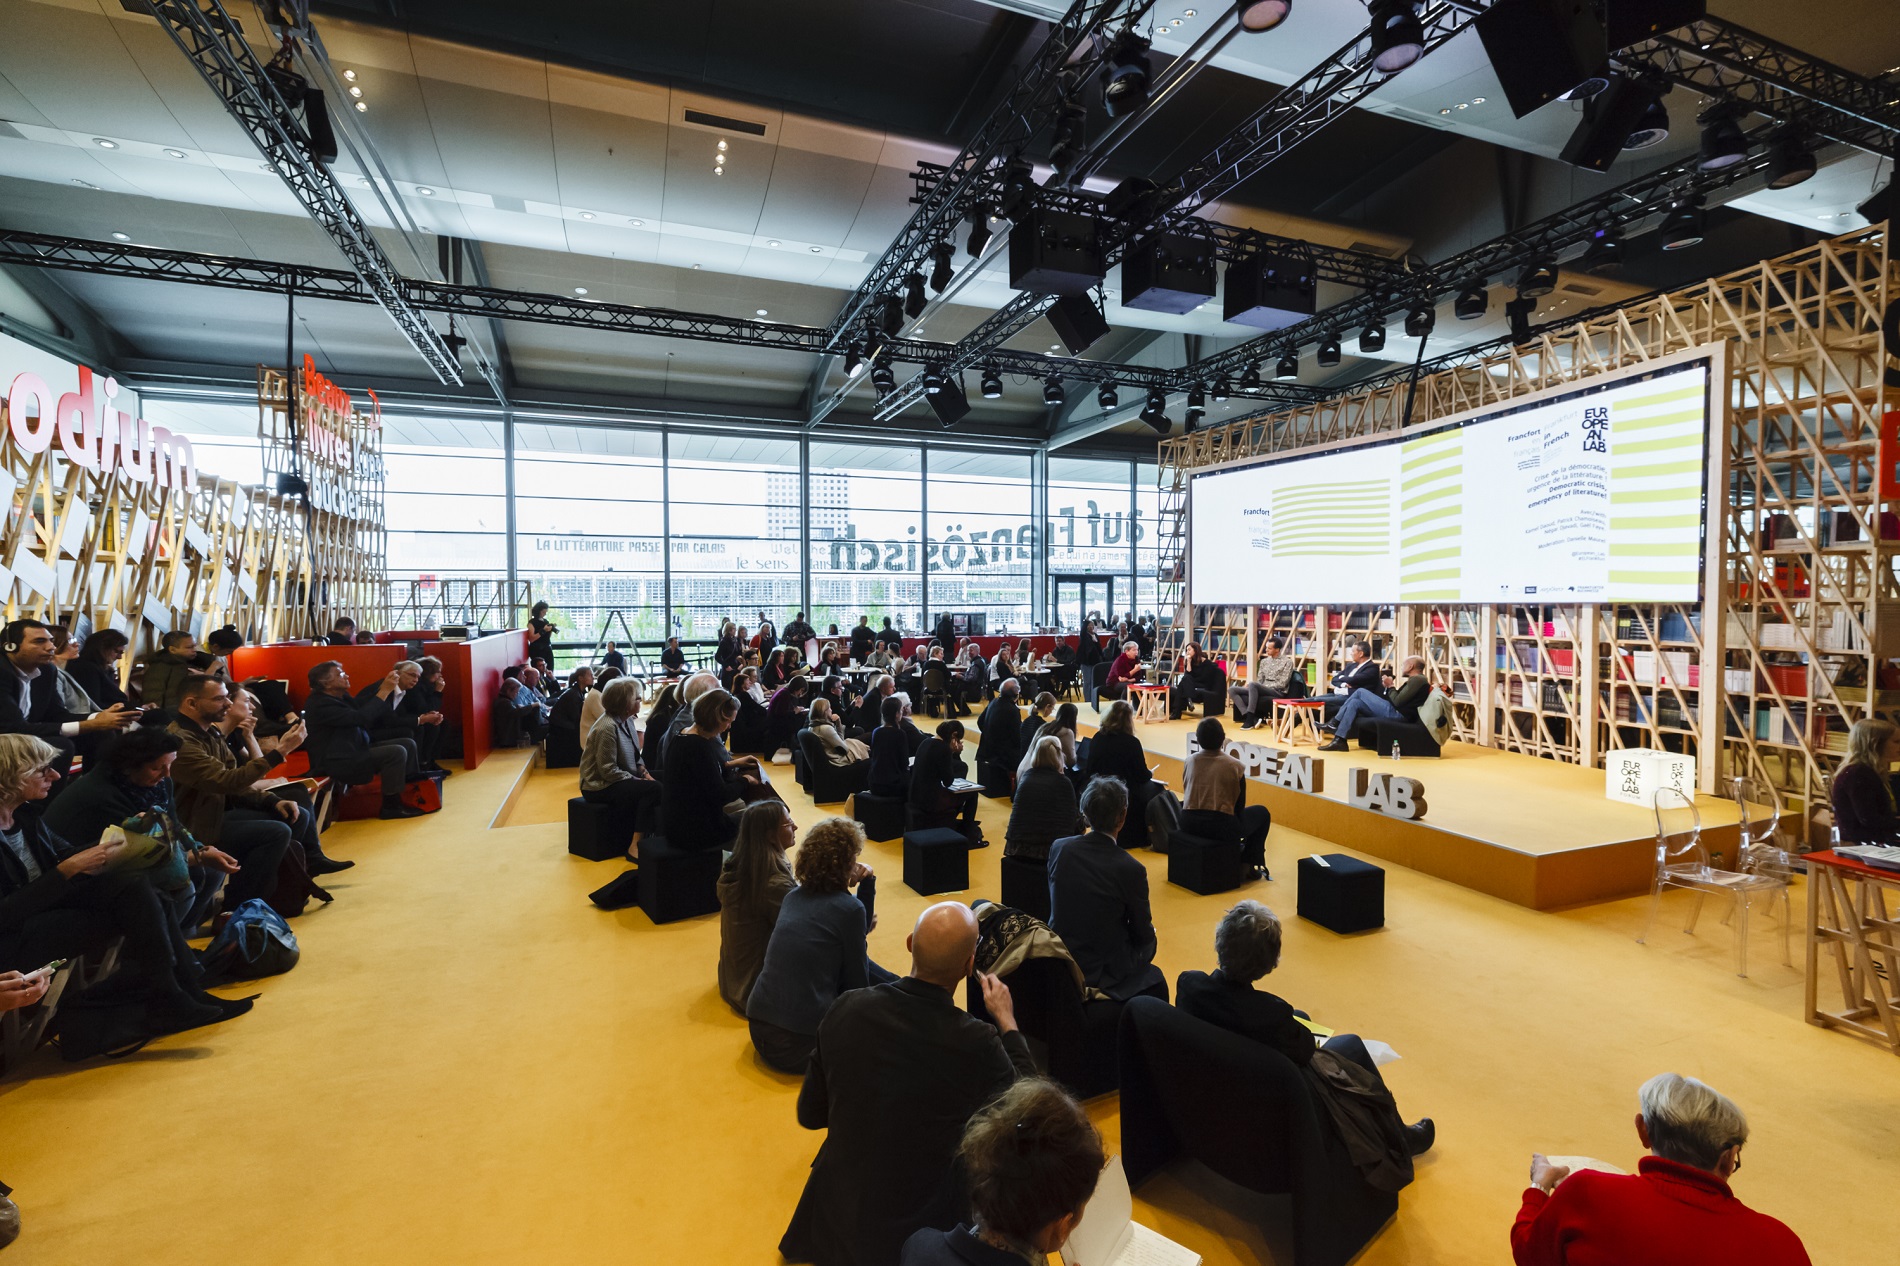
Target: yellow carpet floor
473,1065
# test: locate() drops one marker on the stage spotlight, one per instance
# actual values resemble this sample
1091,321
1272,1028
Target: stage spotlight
1069,142
979,231
1125,75
1288,370
1328,354
1651,129
1790,161
914,301
1197,397
882,376
1250,377
888,313
1683,226
992,383
1019,190
1191,419
1220,391
1397,38
1372,338
1420,321
1518,311
1723,144
1605,256
1155,411
853,360
1538,279
933,380
1052,394
1107,398
1262,15
1472,303
940,270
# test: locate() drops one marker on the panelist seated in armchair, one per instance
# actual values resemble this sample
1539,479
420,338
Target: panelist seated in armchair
1276,676
1200,680
1123,672
1360,673
1367,706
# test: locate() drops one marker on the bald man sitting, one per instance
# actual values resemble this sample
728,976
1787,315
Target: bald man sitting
899,1070
1399,704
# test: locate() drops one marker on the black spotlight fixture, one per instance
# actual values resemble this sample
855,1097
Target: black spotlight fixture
1328,354
1683,226
1070,140
1538,279
1261,15
1723,144
1372,338
1250,377
1155,411
992,383
1472,303
1397,38
888,314
1197,398
1125,75
1019,190
853,360
940,267
1790,161
1421,321
1191,419
1604,258
1052,394
883,377
1221,390
1106,397
979,231
1884,204
1288,370
914,301
932,379
1518,311
1652,128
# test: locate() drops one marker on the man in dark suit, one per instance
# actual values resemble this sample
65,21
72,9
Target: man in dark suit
898,1072
343,633
932,804
30,701
564,718
1360,673
863,639
339,742
422,699
999,746
1098,900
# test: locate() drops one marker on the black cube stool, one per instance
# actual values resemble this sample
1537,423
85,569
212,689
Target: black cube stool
1026,886
593,833
1203,865
882,817
937,860
1346,895
677,883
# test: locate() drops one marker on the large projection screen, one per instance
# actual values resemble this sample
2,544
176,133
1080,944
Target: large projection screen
1591,496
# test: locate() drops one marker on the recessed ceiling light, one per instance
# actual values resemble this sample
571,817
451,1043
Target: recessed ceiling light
103,143
349,74
1175,22
266,167
425,191
762,312
1055,347
695,267
719,171
587,215
121,237
363,181
817,250
580,290
176,153
771,241
362,107
722,145
356,92
638,224
85,184
1477,101
1187,13
1446,110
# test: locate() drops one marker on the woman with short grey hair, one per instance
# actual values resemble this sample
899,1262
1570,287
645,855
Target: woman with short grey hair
613,772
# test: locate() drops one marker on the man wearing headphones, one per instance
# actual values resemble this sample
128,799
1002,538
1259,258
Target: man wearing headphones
29,695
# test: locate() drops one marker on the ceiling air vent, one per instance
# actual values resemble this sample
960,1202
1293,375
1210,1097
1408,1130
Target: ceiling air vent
723,123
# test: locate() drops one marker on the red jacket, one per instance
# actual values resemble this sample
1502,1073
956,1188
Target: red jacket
1664,1215
1122,669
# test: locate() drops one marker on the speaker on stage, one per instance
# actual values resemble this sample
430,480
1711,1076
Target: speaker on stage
1169,272
1056,253
1269,291
949,402
1077,322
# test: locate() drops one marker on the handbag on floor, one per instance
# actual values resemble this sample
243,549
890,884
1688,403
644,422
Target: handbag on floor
424,793
254,942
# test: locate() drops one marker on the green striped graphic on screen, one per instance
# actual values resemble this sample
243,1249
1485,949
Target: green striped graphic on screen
1333,520
1656,460
1431,523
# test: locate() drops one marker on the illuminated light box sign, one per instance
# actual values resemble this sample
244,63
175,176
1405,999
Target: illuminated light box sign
1590,495
53,405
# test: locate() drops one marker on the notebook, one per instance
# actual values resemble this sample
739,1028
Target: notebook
1108,1235
1574,1163
964,784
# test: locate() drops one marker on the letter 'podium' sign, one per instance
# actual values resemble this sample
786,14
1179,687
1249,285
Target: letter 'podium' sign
1635,775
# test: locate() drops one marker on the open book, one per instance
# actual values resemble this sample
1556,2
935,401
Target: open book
1108,1236
1575,1163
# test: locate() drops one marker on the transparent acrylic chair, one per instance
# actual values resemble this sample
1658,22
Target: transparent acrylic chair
1682,862
1763,851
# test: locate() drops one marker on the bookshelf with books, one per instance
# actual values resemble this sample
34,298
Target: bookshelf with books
1536,703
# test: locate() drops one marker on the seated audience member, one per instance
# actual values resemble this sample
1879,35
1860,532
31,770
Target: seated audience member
1677,1209
239,731
1365,706
61,899
1200,680
1098,900
1360,673
612,658
700,805
1124,672
612,772
395,717
863,639
1863,797
752,886
564,716
591,708
216,798
946,635
785,714
1031,1161
29,695
839,750
72,695
1042,710
133,776
517,716
1061,727
817,948
932,803
96,668
1062,654
1003,667
889,638
1115,752
830,662
660,717
883,657
1247,947
1044,808
672,658
531,689
343,632
220,643
974,676
765,641
423,688
868,714
1214,800
748,732
1275,676
889,774
999,742
897,1072
365,638
339,743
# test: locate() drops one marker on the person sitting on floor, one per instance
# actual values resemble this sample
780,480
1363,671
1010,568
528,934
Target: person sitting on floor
999,743
1031,1160
238,730
1124,672
932,803
1363,707
752,886
1360,673
889,774
564,718
1214,800
817,948
1677,1209
611,769
699,808
1098,900
1862,795
339,742
1200,680
1044,809
785,714
897,1072
532,692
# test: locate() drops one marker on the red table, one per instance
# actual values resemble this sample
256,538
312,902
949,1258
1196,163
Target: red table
1848,909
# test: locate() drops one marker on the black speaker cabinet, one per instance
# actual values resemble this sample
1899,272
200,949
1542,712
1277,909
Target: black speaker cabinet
951,404
1077,322
1168,273
1541,49
1056,253
1608,119
1269,291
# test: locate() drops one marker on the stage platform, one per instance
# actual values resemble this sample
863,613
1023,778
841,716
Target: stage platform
1535,832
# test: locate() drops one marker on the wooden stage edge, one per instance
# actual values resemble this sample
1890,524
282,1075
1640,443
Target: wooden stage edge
1551,880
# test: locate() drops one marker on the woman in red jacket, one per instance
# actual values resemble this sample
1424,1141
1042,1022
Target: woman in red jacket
1676,1210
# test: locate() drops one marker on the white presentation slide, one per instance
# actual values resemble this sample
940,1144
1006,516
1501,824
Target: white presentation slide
1595,496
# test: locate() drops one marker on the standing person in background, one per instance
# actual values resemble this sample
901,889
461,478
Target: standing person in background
612,658
947,635
541,632
862,639
798,632
1088,647
890,637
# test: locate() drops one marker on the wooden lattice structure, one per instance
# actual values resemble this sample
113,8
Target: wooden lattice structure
1802,608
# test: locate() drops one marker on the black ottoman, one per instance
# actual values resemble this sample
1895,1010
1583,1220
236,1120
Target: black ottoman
564,749
1347,896
882,817
1026,886
677,883
1413,739
593,833
1203,865
937,860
